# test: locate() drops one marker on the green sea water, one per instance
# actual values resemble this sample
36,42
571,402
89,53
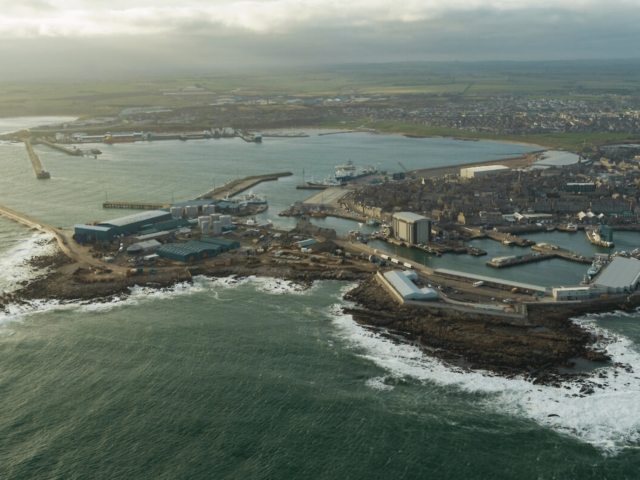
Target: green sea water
256,378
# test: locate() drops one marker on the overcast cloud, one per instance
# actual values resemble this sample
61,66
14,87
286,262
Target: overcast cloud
136,36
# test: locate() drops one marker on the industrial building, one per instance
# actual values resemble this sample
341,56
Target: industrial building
189,252
411,228
134,223
224,244
476,172
620,276
93,233
402,283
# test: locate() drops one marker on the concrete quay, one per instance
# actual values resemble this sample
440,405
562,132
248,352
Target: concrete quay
74,152
41,173
136,205
563,253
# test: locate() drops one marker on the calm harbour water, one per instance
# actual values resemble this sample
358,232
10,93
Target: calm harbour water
193,383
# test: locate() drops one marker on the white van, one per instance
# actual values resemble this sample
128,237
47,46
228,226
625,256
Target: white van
478,284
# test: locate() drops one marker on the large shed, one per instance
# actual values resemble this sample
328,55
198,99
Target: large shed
92,233
223,243
620,276
407,289
189,251
134,223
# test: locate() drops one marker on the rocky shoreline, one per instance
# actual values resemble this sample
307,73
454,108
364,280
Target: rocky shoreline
543,350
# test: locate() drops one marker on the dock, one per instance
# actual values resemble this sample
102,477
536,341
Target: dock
237,186
563,253
136,205
74,152
41,173
512,261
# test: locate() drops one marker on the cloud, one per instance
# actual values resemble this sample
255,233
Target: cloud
161,35
75,18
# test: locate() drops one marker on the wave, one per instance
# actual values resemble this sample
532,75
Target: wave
139,294
608,418
14,265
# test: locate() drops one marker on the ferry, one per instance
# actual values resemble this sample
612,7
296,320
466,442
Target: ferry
348,172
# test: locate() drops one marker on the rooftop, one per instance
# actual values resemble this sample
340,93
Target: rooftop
409,216
620,273
138,217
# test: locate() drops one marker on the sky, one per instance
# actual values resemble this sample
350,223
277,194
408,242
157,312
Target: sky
95,38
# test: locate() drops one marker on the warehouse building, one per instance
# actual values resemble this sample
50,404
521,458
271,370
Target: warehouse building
134,223
476,172
93,233
401,282
189,251
411,228
224,244
620,276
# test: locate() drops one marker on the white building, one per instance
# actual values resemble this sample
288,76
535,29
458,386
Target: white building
568,294
411,228
401,282
475,172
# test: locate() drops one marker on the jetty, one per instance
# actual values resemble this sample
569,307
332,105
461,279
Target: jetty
41,173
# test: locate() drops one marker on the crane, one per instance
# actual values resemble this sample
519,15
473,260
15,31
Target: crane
411,175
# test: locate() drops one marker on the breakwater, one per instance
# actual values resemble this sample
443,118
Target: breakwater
41,173
237,186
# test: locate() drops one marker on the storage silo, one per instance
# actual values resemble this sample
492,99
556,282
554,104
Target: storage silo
225,220
176,212
205,227
217,228
208,209
215,217
192,211
203,219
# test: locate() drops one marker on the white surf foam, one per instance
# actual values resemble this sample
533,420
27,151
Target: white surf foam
13,266
608,419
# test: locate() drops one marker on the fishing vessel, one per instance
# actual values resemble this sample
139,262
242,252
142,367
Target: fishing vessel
594,235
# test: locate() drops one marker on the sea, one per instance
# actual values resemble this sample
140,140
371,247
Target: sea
258,378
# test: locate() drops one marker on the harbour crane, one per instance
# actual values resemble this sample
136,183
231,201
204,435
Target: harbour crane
411,175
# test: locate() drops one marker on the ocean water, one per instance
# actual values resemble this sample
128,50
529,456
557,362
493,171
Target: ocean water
193,382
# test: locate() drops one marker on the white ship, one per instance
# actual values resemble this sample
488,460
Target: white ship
348,172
